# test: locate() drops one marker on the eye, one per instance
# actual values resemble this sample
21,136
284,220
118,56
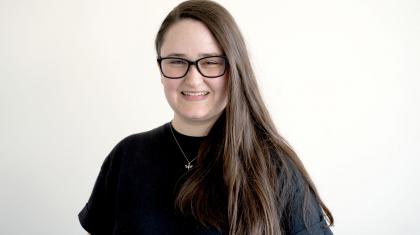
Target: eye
211,62
176,62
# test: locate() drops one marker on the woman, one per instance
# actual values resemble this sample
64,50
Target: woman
220,166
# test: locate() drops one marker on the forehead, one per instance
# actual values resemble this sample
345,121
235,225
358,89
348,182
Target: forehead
190,38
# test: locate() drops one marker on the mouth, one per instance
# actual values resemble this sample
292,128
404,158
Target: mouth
195,93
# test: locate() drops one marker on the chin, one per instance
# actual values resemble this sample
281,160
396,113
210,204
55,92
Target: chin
196,117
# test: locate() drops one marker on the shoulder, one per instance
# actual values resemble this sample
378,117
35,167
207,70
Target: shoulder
142,141
144,138
136,147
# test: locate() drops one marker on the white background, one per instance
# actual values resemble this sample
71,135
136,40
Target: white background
341,79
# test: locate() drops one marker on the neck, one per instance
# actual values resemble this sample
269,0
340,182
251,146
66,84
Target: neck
197,129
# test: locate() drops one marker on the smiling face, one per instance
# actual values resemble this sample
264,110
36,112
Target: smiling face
195,99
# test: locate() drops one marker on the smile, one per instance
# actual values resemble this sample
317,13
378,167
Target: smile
195,93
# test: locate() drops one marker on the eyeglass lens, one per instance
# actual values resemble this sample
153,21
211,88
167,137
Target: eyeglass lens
208,66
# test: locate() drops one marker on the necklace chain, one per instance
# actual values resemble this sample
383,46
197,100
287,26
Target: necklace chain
189,165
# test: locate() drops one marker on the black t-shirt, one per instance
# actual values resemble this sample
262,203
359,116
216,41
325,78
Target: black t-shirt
137,185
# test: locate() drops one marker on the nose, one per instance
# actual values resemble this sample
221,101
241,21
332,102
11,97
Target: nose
193,77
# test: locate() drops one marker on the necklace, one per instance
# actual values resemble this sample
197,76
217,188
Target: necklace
188,165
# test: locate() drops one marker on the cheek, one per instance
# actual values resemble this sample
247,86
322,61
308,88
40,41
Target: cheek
221,88
170,86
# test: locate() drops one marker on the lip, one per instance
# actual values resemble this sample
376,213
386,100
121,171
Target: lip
194,95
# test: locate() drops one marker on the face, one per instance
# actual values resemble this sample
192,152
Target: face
194,98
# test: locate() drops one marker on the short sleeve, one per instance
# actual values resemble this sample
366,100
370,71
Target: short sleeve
315,221
97,216
316,224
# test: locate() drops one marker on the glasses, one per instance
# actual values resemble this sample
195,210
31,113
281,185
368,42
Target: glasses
209,66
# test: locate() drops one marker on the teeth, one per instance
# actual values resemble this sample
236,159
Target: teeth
189,93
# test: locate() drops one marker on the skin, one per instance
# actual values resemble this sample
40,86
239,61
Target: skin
191,39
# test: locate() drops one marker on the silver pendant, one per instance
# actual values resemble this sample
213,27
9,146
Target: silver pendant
189,166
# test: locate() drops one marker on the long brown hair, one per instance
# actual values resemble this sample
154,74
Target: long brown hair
246,174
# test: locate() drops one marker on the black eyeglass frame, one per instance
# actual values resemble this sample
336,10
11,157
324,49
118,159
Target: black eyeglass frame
159,60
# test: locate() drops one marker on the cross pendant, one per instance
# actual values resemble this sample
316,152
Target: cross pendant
189,166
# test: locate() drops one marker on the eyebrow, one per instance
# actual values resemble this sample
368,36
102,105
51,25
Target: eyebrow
185,56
